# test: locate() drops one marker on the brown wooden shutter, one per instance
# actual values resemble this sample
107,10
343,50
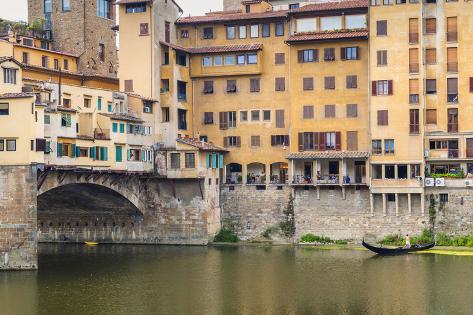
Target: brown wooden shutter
225,142
286,140
315,137
316,54
382,117
273,140
343,53
279,58
280,84
254,85
352,140
128,85
329,111
238,141
471,84
223,120
308,84
390,87
300,145
321,141
430,26
431,56
431,116
452,86
413,86
308,112
381,28
352,110
338,140
280,118
452,32
413,30
300,56
374,88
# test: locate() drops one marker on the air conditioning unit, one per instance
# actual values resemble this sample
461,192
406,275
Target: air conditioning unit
469,183
429,182
440,182
426,153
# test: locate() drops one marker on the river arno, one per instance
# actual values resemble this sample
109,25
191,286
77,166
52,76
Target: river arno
74,279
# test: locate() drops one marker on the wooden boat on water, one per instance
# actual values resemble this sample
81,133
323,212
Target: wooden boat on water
398,250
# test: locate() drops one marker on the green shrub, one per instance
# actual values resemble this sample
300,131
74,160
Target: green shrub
425,238
443,239
226,235
469,243
393,240
341,242
269,231
311,238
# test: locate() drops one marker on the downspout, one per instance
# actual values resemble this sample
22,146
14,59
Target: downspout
151,20
368,169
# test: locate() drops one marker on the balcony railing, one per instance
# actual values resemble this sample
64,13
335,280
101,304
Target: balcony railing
234,178
413,38
452,153
414,68
452,66
102,134
301,180
256,180
277,180
452,37
413,98
328,179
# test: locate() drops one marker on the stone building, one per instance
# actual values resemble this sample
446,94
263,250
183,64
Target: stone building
81,27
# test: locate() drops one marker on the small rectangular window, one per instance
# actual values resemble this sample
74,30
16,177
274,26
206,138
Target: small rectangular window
231,30
382,28
243,116
254,31
11,144
175,160
144,29
66,5
242,31
208,33
279,29
266,30
266,115
255,115
252,59
4,109
190,160
9,76
241,59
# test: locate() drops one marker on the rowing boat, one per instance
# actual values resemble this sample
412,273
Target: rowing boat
398,250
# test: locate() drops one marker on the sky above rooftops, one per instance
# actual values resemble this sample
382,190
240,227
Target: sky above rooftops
16,10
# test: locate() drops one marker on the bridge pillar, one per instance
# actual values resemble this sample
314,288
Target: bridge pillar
18,243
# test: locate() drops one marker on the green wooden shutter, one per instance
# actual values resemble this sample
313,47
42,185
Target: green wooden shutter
128,154
93,153
220,160
115,127
143,155
122,128
214,160
105,151
118,154
73,151
99,104
207,159
68,120
59,149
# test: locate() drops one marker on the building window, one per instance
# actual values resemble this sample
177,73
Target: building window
243,116
4,109
232,141
47,6
431,116
231,32
139,7
430,26
266,30
45,61
144,29
443,198
452,123
175,161
190,160
279,29
266,115
66,64
147,107
11,144
452,90
382,117
66,5
9,75
382,56
208,87
208,118
307,55
182,119
255,141
254,31
87,102
352,110
229,60
329,83
102,52
56,64
231,86
414,121
164,85
388,146
308,112
377,147
254,85
382,28
352,82
165,114
382,87
280,84
47,119
241,59
280,140
349,53
252,59
293,6
181,91
103,9
255,115
329,54
431,86
66,120
26,58
208,33
308,84
242,31
330,111
66,102
184,34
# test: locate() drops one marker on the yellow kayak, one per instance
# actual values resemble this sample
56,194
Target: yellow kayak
91,243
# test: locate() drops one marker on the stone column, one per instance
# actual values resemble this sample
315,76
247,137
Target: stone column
291,172
318,192
383,173
396,173
422,202
384,205
268,173
409,203
372,204
314,172
244,173
340,171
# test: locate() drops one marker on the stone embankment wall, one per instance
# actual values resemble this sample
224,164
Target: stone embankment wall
18,245
328,212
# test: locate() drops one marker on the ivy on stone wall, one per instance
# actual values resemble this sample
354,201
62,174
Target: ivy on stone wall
288,225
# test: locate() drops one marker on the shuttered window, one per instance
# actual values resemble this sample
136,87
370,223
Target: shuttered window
452,114
413,91
413,31
471,84
414,121
382,87
431,56
280,118
280,84
413,60
382,28
254,85
208,118
223,120
452,59
352,140
329,54
308,112
430,26
431,116
279,58
382,56
431,86
352,110
329,83
279,140
308,84
452,90
255,141
352,82
330,111
307,55
452,32
349,53
128,85
382,117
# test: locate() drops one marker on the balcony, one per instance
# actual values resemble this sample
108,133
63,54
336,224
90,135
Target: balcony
301,180
413,68
453,153
452,37
452,66
413,38
102,134
452,98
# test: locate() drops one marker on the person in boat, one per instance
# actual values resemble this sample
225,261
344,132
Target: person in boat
408,241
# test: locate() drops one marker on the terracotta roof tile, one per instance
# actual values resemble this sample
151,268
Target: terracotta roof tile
131,1
224,17
123,117
333,5
201,145
16,95
144,98
305,37
328,155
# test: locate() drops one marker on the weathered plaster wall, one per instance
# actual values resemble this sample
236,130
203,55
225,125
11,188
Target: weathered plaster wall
18,246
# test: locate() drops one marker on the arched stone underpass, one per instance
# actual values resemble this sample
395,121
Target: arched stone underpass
87,212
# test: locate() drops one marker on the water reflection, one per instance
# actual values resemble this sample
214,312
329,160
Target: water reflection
236,280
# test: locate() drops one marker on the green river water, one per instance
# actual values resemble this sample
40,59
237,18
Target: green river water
115,279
